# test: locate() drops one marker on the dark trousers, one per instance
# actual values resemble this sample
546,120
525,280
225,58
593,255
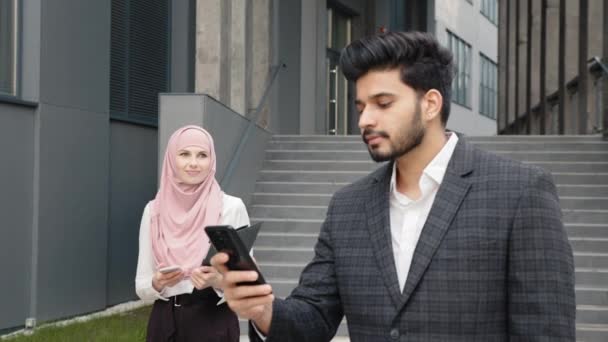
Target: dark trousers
192,317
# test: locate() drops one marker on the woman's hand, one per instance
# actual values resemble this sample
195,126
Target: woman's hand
206,276
162,280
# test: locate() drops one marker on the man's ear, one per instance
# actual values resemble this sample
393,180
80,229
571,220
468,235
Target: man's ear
434,103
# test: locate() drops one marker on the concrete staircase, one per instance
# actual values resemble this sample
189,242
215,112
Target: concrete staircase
301,173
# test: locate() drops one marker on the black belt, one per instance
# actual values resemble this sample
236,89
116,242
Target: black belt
197,296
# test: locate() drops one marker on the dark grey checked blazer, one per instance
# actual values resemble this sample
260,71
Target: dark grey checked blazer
493,263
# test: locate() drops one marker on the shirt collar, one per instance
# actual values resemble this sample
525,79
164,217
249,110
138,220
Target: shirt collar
436,169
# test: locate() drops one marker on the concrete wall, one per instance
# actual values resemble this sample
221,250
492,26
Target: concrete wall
465,20
286,120
16,202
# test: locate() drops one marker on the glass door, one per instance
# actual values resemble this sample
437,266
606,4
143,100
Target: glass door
338,36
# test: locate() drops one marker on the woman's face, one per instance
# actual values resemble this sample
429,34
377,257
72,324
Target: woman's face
192,164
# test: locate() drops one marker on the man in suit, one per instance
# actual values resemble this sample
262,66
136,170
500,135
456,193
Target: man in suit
444,243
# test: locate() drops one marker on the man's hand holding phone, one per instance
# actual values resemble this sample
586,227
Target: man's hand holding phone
253,302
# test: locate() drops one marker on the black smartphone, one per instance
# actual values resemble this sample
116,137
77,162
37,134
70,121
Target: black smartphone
226,239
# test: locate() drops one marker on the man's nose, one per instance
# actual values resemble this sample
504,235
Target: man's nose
366,119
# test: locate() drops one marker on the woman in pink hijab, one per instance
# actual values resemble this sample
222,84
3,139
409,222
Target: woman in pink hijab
172,245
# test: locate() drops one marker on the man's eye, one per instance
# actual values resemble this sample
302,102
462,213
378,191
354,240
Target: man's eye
384,104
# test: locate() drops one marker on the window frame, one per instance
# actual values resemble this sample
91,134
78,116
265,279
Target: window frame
489,9
14,93
461,84
488,87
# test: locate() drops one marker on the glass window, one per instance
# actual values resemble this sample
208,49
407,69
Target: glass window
489,9
8,49
488,87
462,69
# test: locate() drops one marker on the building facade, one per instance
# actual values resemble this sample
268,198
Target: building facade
79,88
553,69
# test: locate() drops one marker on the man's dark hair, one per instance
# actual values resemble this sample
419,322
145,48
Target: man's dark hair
424,63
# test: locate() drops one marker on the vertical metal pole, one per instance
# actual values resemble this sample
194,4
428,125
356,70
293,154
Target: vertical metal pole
529,70
516,102
543,65
507,52
605,77
562,66
583,72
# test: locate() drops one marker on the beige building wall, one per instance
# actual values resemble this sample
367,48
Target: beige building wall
233,51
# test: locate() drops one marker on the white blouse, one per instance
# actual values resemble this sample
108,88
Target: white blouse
234,213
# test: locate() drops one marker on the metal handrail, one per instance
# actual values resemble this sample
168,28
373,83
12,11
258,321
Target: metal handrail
274,71
598,60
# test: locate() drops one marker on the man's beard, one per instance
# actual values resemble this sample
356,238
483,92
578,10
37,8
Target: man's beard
403,142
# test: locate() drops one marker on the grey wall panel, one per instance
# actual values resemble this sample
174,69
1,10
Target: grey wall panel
133,159
75,54
30,50
73,208
287,119
16,172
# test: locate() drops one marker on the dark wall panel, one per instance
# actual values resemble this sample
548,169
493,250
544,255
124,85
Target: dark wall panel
16,172
133,174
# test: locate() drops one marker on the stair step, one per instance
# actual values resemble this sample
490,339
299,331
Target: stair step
349,144
591,259
291,198
369,165
580,190
581,202
351,176
587,295
591,314
587,230
363,155
301,187
473,139
589,244
585,216
288,211
269,239
591,276
289,225
283,254
591,332
282,270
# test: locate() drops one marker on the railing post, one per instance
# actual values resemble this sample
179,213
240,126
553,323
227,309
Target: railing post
583,70
605,77
250,128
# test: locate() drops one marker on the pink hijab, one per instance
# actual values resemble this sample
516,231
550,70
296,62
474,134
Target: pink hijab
181,211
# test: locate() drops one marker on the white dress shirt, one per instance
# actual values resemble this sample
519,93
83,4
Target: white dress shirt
409,216
234,213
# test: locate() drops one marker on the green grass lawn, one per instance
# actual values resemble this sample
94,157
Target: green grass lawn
128,326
